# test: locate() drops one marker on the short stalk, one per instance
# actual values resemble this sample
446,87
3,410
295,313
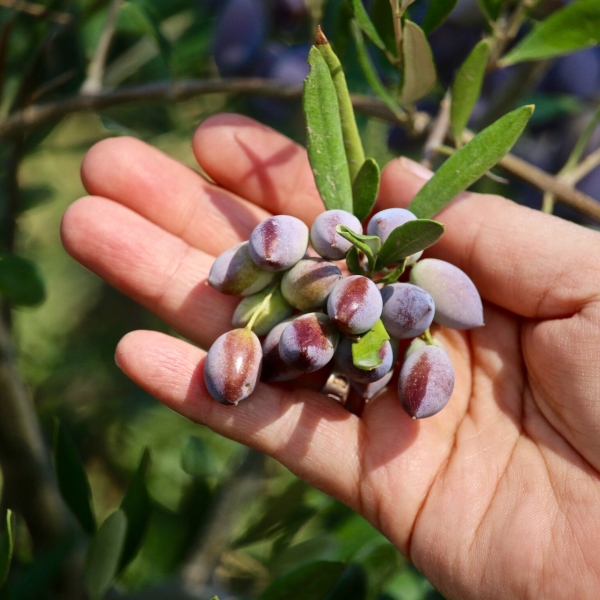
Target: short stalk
428,338
260,309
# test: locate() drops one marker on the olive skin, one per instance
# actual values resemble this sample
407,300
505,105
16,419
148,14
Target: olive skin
344,363
308,283
354,304
407,310
278,243
308,342
233,365
426,382
326,240
236,274
457,301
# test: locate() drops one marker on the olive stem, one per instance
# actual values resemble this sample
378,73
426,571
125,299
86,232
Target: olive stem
260,309
428,338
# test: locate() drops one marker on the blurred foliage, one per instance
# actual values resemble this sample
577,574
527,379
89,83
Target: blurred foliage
287,534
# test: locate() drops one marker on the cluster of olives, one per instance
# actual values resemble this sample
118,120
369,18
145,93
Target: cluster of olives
311,315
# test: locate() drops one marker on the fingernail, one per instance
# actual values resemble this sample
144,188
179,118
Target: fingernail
416,169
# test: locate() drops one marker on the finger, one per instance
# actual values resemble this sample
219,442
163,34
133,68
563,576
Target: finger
258,163
169,194
309,433
155,268
530,263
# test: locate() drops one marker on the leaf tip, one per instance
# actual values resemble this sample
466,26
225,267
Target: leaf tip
320,39
530,108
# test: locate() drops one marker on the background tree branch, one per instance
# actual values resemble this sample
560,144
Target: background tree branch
24,457
37,115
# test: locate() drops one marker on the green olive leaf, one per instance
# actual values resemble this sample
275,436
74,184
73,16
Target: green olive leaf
394,275
72,479
355,154
407,239
104,555
383,19
137,507
365,23
311,581
6,549
436,14
470,163
21,281
370,72
572,28
491,8
369,245
365,188
324,139
467,87
419,68
353,262
365,351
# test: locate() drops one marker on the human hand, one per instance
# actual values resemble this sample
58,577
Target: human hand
496,496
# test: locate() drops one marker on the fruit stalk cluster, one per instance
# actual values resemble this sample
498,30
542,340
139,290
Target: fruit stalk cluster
315,312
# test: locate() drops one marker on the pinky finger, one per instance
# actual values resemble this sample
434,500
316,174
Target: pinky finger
314,437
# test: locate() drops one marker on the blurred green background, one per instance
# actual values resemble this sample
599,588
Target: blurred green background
222,520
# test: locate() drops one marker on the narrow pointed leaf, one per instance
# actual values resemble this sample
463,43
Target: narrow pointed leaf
383,19
369,245
582,142
353,262
365,351
324,139
366,188
6,549
21,282
280,513
436,14
137,508
104,555
370,73
355,154
139,16
419,68
470,163
312,581
574,27
467,87
394,275
491,8
72,479
407,239
365,23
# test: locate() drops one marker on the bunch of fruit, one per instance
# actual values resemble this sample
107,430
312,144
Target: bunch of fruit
312,315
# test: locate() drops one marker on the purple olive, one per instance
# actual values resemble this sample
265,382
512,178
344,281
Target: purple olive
307,284
385,221
236,274
407,310
345,364
278,243
354,304
274,368
308,342
233,365
457,301
326,240
240,31
426,382
369,390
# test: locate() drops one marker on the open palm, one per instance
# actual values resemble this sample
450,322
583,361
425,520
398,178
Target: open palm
497,496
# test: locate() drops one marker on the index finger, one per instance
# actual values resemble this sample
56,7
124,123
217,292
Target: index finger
533,264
